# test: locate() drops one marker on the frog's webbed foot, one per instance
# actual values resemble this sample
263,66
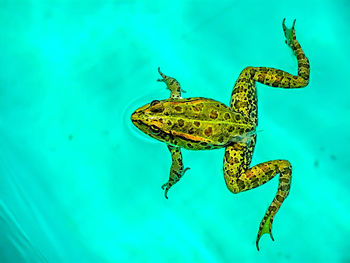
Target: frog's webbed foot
282,167
177,169
265,228
172,84
289,34
172,181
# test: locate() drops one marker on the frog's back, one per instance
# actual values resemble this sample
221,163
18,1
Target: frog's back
201,123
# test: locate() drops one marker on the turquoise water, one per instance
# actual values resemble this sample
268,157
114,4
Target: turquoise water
79,183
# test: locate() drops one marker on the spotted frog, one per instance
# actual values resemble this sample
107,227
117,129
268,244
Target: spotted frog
205,124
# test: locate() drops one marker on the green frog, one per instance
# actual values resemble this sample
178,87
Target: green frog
205,124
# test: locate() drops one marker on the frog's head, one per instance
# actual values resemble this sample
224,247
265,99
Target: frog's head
152,118
149,119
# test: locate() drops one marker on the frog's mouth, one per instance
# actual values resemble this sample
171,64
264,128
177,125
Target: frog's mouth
134,117
138,119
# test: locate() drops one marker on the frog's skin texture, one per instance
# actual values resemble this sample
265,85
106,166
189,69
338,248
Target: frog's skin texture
202,124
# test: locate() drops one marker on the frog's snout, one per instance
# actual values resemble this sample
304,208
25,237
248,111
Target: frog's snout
135,117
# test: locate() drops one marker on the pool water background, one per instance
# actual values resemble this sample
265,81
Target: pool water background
79,183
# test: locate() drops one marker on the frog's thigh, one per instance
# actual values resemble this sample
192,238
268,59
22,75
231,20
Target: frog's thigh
177,168
243,97
239,179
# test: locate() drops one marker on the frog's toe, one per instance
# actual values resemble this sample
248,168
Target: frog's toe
161,74
265,228
172,181
186,169
166,187
288,32
166,193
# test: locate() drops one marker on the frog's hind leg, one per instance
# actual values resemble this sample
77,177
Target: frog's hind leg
239,178
243,98
177,169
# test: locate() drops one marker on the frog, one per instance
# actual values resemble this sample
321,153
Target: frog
199,123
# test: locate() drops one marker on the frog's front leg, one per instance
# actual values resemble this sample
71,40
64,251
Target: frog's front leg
177,168
172,84
239,178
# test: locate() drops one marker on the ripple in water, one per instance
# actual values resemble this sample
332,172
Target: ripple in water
137,102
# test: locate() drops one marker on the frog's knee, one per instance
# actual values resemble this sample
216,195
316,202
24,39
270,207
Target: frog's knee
285,165
248,72
233,186
234,190
248,69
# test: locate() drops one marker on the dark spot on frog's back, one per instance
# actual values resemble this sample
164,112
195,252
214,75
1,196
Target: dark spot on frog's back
227,116
197,107
197,123
213,114
191,131
178,108
208,131
181,122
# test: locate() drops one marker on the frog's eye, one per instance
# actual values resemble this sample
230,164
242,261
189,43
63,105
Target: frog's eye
154,102
154,129
156,106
